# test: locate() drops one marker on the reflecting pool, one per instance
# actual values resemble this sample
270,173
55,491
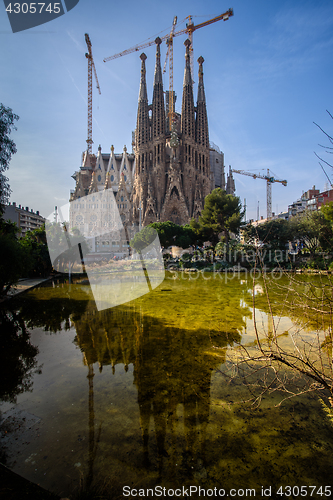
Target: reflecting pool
145,393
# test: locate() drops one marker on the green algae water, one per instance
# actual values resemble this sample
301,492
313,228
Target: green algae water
145,394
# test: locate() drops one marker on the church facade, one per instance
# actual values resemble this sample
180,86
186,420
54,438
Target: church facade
170,171
173,173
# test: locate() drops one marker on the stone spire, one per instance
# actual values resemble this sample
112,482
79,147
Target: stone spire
230,188
201,124
188,119
142,123
158,113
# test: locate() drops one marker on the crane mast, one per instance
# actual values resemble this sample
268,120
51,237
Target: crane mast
170,53
269,179
91,67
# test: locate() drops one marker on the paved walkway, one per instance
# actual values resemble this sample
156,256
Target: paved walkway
26,284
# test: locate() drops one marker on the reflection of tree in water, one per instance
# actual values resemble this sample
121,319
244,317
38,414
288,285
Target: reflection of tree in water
17,353
306,300
18,363
293,357
172,367
18,356
52,308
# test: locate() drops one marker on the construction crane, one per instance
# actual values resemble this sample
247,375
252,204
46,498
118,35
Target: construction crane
91,66
269,179
190,28
169,42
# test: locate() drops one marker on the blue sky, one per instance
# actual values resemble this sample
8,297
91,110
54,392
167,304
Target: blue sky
267,73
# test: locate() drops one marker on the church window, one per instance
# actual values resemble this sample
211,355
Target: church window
99,178
121,198
174,191
93,198
125,178
112,178
124,166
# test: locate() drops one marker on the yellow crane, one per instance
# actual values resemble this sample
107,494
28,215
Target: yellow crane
269,179
190,29
91,66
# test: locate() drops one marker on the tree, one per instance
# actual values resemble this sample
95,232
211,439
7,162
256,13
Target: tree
12,256
327,149
35,246
273,236
7,149
172,234
313,230
298,360
222,213
327,211
64,246
143,239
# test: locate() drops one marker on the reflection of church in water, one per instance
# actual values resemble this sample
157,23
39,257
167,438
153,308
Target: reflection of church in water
163,376
173,166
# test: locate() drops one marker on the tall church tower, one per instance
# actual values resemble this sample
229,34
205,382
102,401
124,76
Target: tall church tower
172,167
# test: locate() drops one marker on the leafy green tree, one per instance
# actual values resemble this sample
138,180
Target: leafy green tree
274,233
172,234
313,230
222,214
7,149
64,246
327,211
143,239
12,256
167,232
186,237
35,246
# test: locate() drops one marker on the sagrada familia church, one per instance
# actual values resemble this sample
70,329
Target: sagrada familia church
172,168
